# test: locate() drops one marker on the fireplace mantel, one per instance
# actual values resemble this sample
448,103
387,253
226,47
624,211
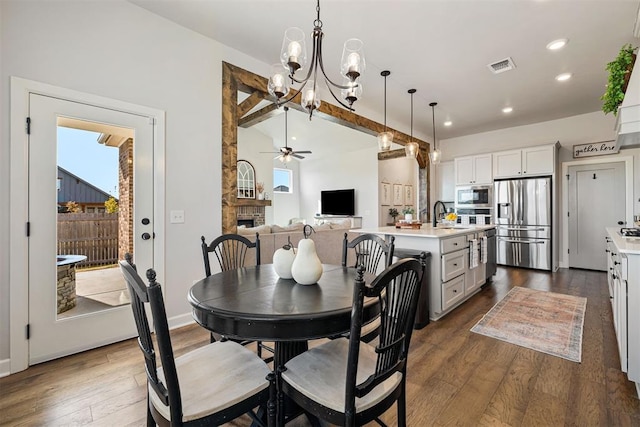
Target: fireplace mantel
253,202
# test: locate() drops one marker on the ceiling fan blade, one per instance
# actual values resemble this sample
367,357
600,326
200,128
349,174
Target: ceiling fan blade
269,152
304,152
297,156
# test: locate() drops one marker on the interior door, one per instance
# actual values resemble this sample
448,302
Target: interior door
51,335
596,201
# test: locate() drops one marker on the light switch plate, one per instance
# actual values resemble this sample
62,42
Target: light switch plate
176,217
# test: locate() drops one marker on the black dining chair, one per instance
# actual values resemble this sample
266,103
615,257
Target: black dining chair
348,382
231,252
370,250
211,385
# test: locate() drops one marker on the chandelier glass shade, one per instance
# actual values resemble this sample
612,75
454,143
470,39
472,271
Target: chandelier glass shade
293,59
435,156
385,138
411,149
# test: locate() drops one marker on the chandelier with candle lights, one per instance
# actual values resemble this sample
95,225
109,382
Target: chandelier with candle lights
293,58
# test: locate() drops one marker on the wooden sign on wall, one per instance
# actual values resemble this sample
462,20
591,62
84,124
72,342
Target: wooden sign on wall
595,149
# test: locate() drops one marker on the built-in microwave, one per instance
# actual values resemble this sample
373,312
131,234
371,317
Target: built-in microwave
474,196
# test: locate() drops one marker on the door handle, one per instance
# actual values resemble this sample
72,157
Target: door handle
146,236
621,223
523,241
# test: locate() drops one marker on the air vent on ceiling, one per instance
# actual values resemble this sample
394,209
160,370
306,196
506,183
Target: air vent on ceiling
502,66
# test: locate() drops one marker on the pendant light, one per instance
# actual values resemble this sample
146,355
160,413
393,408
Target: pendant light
411,149
385,138
435,155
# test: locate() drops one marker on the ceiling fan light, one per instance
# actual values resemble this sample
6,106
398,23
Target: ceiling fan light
293,55
411,149
384,140
353,63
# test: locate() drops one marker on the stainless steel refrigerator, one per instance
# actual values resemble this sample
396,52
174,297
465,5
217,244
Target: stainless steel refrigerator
523,222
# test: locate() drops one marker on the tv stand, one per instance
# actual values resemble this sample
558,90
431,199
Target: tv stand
356,221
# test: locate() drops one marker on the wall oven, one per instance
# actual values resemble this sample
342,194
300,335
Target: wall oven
474,196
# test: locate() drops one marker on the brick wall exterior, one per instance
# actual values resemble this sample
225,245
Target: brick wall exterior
125,196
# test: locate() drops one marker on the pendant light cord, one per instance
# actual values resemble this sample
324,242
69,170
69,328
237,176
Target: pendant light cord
433,122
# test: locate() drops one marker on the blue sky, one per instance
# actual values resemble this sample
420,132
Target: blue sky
80,154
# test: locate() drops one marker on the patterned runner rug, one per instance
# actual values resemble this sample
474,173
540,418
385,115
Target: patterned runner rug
544,321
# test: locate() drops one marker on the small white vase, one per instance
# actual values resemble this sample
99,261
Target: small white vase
408,217
260,196
283,261
306,268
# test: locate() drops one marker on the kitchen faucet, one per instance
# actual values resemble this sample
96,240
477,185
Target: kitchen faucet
435,207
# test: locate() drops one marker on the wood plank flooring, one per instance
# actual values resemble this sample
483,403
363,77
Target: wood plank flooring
455,377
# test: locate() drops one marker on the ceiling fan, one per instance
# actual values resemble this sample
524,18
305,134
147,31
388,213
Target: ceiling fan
286,153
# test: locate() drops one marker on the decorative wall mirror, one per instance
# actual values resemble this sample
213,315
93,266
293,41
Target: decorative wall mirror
246,180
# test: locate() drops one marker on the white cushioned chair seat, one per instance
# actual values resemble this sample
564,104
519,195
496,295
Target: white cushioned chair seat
320,374
213,378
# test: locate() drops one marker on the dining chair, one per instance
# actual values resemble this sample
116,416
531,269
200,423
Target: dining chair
369,251
231,251
348,382
207,386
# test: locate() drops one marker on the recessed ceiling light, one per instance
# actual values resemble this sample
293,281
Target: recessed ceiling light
448,123
562,77
557,44
293,138
507,110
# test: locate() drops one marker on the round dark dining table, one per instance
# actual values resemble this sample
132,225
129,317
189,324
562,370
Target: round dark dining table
254,303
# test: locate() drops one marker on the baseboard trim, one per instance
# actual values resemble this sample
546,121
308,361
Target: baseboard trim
5,367
180,320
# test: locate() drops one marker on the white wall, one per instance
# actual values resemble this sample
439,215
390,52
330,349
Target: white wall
351,169
287,205
250,144
404,171
118,50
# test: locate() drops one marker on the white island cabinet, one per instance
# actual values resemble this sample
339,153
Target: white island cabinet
623,262
453,280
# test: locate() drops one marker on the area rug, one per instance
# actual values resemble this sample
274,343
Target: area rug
543,321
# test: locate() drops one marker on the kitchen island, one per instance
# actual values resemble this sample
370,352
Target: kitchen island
454,278
623,278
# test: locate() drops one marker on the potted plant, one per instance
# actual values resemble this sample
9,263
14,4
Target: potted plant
619,72
394,213
408,212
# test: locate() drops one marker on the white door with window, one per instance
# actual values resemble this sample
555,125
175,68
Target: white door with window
596,200
53,335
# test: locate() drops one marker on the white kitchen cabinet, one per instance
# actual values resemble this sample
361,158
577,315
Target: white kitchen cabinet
473,170
623,262
446,181
532,161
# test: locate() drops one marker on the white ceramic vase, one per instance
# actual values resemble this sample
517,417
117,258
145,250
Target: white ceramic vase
408,217
283,261
306,268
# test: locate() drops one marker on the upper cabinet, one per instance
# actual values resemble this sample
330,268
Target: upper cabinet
445,181
532,161
473,170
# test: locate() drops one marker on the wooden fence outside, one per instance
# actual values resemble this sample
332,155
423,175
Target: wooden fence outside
92,234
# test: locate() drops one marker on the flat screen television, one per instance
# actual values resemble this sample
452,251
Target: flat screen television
338,202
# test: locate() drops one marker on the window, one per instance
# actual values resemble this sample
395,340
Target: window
246,180
282,181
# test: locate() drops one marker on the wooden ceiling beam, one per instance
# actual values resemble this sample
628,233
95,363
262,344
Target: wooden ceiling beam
261,115
245,106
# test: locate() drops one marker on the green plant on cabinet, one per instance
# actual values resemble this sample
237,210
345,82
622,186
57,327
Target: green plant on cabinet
619,71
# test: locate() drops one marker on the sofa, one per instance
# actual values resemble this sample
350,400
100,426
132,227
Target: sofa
328,240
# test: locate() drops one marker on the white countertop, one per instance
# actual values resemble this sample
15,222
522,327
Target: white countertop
427,230
625,245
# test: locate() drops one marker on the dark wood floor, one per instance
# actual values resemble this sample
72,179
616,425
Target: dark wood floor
455,377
